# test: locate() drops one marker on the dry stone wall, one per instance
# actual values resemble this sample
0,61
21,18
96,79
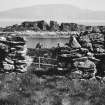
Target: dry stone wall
83,60
14,54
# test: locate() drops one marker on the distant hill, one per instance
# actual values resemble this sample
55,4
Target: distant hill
58,12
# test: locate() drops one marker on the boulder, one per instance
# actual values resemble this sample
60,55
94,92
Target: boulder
86,66
100,50
88,46
73,43
8,66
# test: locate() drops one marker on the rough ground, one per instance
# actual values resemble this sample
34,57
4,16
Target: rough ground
29,89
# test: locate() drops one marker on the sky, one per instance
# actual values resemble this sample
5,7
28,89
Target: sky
96,5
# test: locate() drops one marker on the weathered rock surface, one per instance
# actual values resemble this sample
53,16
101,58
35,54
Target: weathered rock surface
69,27
53,26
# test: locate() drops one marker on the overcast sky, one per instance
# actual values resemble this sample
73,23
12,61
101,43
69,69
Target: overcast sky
85,4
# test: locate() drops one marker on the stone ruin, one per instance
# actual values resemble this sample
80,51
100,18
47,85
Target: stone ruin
82,59
13,56
84,52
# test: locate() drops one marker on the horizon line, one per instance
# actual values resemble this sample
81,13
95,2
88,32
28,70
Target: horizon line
20,7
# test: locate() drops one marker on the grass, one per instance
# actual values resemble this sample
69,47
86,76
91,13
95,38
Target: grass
29,89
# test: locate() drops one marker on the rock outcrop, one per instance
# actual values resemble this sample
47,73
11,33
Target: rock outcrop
54,26
31,26
43,25
69,27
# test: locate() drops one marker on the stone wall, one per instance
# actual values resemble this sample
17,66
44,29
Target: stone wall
14,54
